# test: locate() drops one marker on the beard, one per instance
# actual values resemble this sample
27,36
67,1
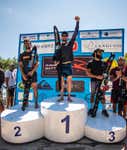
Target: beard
64,42
98,56
28,46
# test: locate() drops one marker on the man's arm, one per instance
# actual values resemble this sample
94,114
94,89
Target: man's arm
89,74
35,66
77,18
22,72
33,70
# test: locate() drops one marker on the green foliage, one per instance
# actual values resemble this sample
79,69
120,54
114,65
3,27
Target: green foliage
125,56
6,62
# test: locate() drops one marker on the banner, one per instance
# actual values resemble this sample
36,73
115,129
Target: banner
78,66
108,45
111,40
111,33
89,34
77,86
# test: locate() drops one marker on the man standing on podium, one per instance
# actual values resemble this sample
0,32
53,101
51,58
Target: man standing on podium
65,59
95,70
28,72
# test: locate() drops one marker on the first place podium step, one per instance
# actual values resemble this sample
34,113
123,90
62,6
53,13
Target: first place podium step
64,121
19,126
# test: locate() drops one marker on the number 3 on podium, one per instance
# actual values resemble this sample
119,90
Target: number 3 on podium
112,136
67,123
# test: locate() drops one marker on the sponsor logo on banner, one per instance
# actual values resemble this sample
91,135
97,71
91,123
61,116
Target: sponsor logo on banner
32,37
20,96
115,33
108,45
21,46
75,46
79,66
45,47
89,34
70,34
44,85
42,47
77,86
46,36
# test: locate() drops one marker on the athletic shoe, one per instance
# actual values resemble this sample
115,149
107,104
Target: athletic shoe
69,99
60,99
105,113
90,111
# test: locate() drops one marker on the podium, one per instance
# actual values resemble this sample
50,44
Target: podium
19,126
64,121
106,130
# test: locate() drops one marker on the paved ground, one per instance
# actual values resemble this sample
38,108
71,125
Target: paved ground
44,144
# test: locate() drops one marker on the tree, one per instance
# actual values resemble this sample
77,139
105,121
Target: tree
6,62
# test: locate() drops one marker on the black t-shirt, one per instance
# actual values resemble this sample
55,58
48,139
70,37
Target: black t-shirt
65,52
27,60
1,77
96,67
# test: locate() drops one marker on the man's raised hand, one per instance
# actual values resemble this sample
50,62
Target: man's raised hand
77,18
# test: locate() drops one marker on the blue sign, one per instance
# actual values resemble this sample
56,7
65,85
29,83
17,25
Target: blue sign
111,40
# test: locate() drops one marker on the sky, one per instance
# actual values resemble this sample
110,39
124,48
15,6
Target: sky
34,16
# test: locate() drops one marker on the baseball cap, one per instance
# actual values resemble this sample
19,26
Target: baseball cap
26,39
64,33
98,49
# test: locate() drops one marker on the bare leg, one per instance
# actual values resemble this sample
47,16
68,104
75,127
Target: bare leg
93,90
34,86
62,90
8,101
69,87
62,84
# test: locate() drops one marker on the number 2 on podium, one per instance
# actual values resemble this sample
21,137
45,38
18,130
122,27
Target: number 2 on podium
18,131
67,121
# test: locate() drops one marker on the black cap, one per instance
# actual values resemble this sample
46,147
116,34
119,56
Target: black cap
64,33
98,49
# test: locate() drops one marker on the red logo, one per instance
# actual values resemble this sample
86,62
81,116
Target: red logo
75,46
